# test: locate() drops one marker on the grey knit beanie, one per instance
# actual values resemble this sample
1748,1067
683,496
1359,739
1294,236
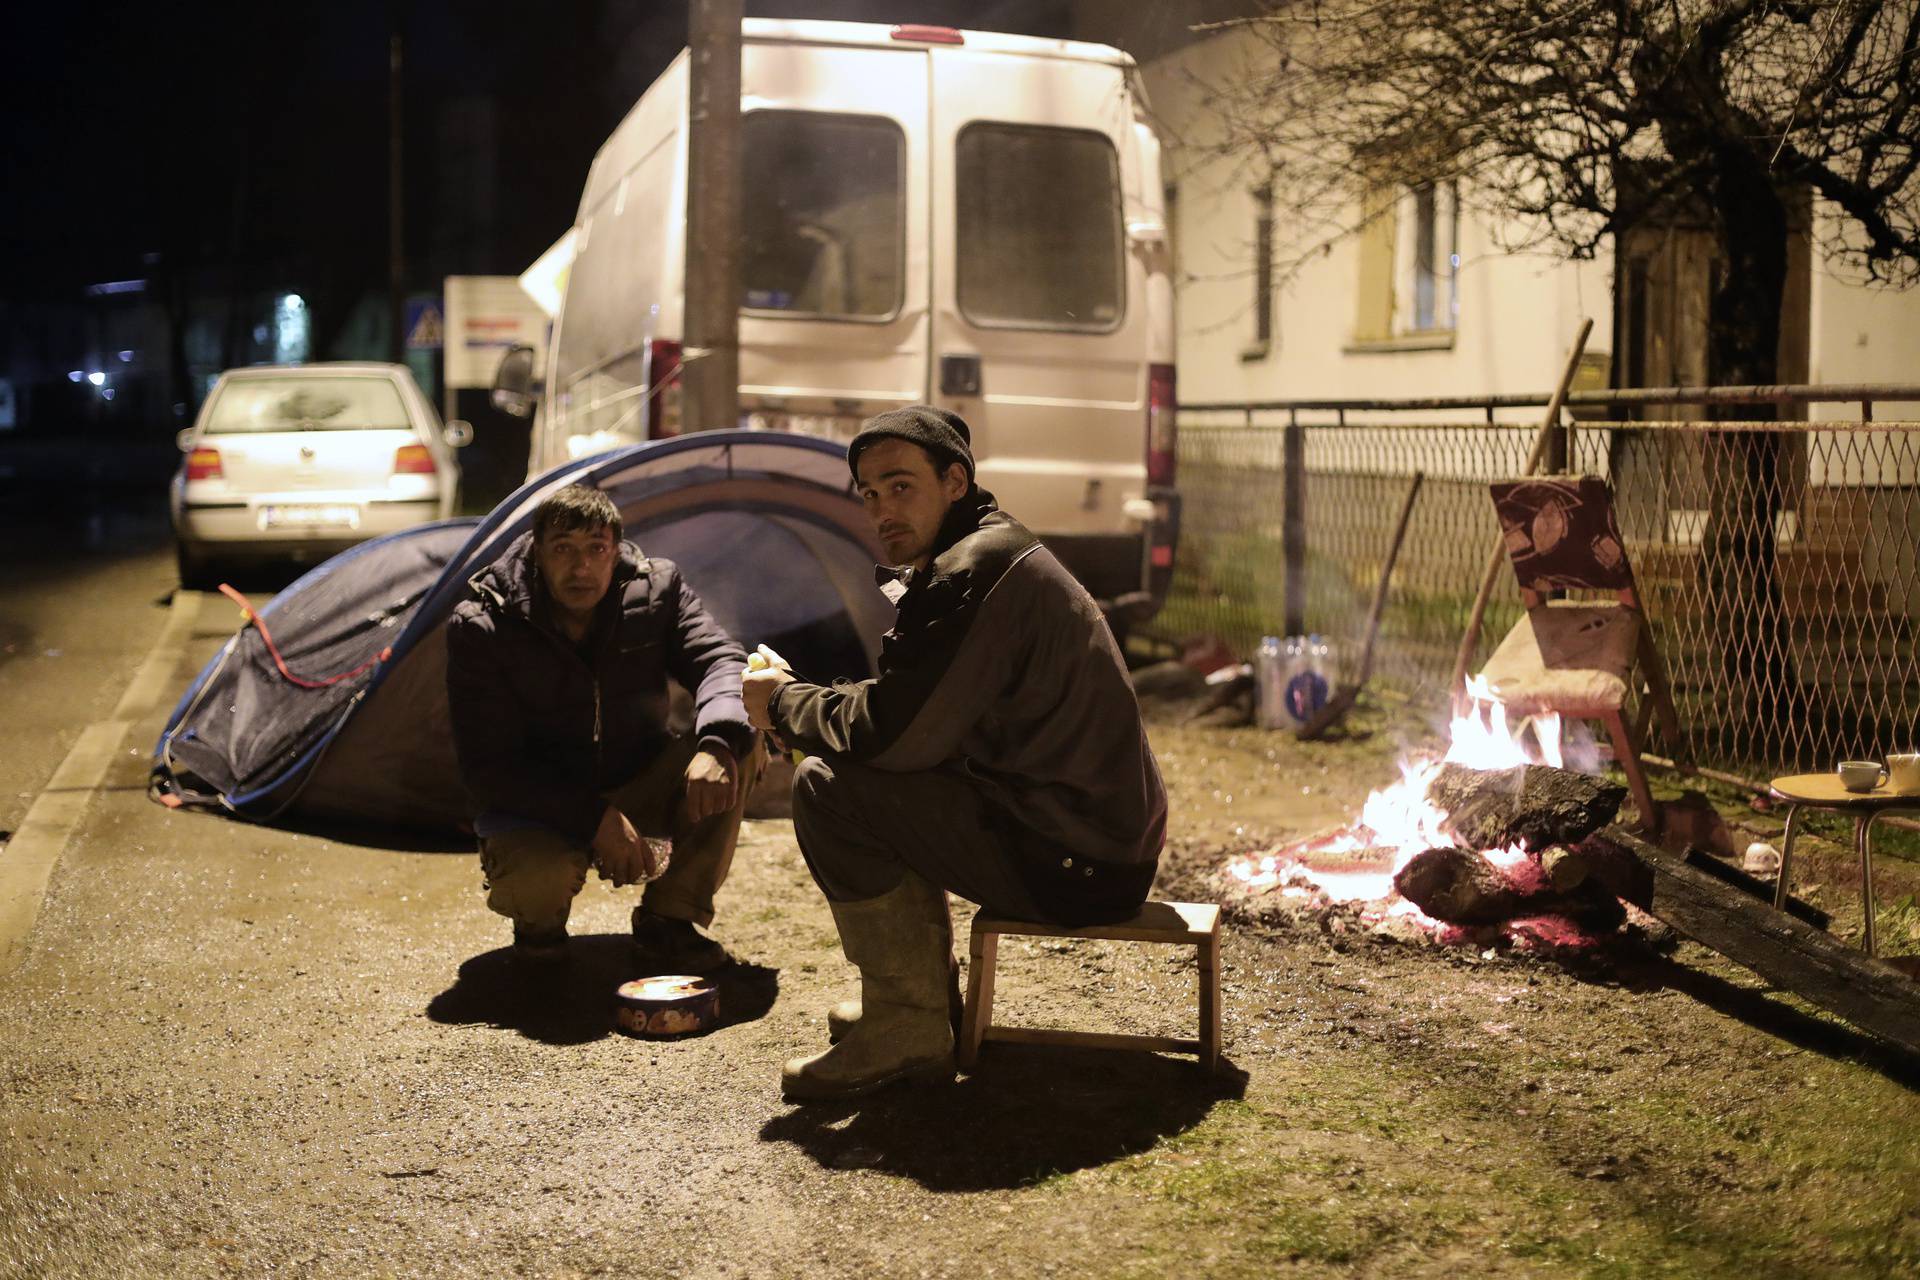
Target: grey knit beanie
941,432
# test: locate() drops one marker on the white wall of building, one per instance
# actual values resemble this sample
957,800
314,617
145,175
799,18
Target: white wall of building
1517,312
1859,333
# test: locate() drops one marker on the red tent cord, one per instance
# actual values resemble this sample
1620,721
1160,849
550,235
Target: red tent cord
246,610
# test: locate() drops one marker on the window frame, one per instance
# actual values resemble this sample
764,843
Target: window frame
900,205
1119,234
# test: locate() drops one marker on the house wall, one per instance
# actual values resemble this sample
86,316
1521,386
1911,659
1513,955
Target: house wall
1517,312
1859,333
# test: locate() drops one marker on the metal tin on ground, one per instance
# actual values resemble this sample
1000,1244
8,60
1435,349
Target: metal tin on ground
668,1005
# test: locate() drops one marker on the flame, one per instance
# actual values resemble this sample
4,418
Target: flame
1401,819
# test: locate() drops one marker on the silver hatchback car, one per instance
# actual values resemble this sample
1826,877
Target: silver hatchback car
296,462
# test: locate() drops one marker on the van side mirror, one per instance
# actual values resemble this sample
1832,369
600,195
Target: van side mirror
458,433
513,390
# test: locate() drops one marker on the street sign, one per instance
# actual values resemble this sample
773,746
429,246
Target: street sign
425,326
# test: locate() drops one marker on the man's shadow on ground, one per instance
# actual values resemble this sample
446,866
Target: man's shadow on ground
575,1005
1030,1111
1765,1009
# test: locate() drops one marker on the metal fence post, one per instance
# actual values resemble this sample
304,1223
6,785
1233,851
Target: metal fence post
1294,537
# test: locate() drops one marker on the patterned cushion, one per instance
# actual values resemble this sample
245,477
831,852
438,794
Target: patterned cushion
1560,533
1571,658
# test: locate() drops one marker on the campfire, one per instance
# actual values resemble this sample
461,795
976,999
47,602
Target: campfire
1482,844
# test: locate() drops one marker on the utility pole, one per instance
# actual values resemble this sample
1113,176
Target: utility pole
711,356
396,193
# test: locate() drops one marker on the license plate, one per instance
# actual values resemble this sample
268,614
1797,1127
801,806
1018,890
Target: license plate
343,515
822,426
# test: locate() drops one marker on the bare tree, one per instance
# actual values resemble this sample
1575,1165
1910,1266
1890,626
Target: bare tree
1574,121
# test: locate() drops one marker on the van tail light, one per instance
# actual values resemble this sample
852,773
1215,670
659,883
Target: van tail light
918,33
413,460
664,392
204,464
1163,438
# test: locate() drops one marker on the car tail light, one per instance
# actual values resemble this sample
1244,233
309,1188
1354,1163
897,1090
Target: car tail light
663,389
1163,438
413,460
204,464
921,34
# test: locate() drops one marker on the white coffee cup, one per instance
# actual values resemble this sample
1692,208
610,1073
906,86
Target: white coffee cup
1903,770
1860,775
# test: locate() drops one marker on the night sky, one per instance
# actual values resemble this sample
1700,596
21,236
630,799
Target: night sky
256,134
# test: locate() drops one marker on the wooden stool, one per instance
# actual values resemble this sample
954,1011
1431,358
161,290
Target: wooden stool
1192,924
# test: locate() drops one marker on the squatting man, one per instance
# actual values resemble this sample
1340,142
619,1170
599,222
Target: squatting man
557,671
999,755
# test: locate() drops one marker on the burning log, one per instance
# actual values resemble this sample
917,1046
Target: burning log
1462,887
1565,869
1534,805
1457,886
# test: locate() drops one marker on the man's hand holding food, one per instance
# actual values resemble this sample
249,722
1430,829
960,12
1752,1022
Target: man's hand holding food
766,671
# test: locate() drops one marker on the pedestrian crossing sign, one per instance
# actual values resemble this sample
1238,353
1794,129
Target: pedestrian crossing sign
425,327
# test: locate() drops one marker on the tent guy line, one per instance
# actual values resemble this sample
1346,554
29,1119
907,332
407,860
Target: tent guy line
28,860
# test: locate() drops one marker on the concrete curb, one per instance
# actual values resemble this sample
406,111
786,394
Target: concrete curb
28,860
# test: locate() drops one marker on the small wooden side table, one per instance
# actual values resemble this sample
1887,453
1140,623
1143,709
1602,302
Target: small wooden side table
1824,791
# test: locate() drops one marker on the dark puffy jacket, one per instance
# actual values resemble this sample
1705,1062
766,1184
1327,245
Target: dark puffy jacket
1001,670
542,728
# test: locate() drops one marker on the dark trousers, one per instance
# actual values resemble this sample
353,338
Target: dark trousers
861,829
533,873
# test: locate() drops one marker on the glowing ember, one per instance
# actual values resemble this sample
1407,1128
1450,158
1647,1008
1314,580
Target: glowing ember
1399,822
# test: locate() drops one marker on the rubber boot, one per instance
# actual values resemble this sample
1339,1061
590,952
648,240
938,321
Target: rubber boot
841,1017
901,942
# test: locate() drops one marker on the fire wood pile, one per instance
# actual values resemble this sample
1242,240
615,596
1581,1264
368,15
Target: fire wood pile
1535,842
1549,813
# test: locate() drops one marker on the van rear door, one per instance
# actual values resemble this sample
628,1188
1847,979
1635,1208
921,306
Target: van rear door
833,325
1040,326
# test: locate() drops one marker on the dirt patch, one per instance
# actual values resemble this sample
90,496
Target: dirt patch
244,1051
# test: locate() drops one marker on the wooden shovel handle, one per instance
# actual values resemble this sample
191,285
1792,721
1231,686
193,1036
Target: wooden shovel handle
1386,576
1548,424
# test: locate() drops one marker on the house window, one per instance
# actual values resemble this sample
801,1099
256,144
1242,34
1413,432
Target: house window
1431,216
1263,265
1409,258
1262,273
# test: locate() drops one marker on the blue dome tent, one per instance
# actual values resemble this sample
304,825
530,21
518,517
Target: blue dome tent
334,707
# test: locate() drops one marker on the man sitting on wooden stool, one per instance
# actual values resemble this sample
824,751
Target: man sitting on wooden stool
999,755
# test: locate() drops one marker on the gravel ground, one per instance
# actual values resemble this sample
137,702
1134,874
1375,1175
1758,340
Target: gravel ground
238,1050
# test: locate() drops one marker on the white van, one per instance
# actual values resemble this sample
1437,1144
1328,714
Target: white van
930,215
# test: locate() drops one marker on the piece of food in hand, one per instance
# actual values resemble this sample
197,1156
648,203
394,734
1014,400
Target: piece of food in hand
764,659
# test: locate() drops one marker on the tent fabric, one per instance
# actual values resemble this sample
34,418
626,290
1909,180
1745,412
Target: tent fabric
764,526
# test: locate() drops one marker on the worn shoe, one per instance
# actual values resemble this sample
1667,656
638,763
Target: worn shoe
901,943
662,944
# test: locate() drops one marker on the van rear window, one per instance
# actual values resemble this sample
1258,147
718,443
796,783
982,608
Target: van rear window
1038,210
823,214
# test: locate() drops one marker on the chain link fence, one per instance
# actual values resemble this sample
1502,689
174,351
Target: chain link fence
1778,561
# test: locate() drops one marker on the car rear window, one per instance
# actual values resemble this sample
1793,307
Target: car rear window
246,405
822,215
1038,212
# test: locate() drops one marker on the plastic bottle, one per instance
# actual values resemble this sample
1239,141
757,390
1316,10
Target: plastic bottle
1270,684
1307,686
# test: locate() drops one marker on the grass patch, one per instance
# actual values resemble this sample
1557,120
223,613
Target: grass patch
1367,1163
